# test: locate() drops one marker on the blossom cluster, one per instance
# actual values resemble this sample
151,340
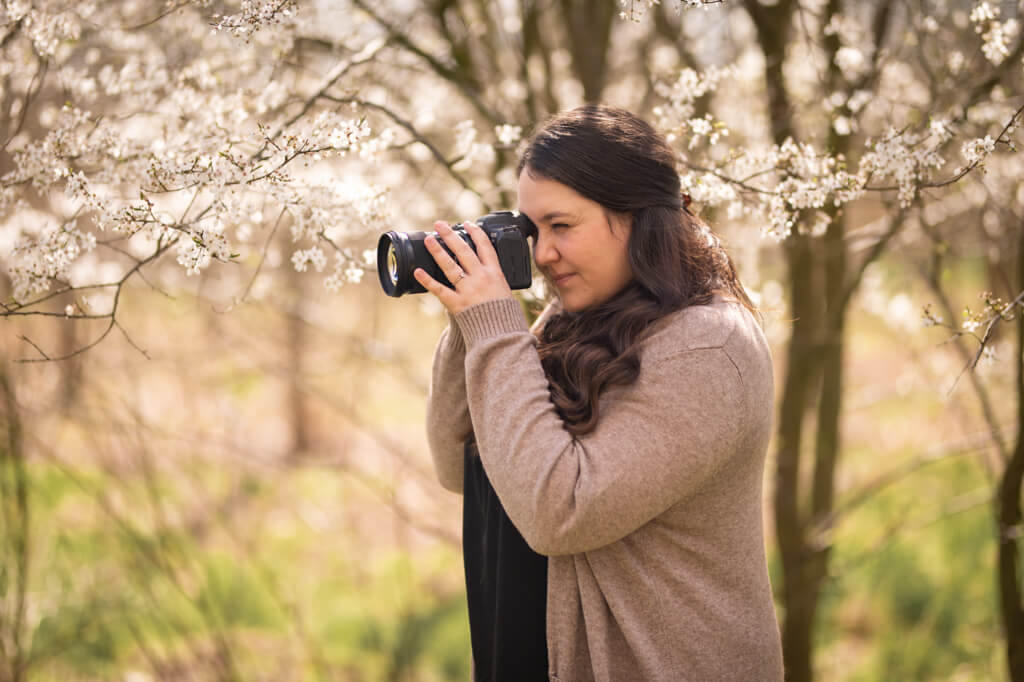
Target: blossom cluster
803,184
48,23
468,151
908,157
993,308
203,244
324,213
634,9
194,159
796,177
38,260
676,117
975,151
997,36
930,318
255,15
792,177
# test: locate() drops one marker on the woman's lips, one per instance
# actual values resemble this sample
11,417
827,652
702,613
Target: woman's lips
560,279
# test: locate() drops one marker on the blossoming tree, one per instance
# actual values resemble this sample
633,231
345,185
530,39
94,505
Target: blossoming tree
147,143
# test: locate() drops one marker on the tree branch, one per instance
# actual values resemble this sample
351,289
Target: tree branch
411,129
445,72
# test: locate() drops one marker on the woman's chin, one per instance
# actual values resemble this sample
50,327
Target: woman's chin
570,303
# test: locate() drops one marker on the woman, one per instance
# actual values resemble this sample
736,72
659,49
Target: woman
624,438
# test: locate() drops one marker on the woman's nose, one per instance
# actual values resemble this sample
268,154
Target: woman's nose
544,251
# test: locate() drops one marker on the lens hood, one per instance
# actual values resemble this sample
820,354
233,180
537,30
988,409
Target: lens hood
395,258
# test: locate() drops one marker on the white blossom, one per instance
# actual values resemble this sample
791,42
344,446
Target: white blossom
975,151
200,246
984,11
354,273
508,134
852,62
997,36
314,255
468,151
674,117
842,125
347,271
997,40
255,15
635,9
906,157
37,261
989,356
955,62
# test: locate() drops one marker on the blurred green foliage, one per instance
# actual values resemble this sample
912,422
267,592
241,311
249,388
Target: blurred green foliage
111,594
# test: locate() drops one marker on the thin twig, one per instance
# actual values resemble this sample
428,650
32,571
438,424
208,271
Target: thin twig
263,257
404,123
363,56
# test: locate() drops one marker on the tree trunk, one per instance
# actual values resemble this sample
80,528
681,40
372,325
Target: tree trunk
814,372
804,559
588,25
799,588
1009,510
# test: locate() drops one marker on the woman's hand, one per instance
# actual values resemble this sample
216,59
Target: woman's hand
478,279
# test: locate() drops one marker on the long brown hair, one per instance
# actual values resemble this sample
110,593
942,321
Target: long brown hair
616,159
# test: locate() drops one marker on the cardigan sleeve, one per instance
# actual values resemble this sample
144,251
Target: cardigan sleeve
448,422
657,441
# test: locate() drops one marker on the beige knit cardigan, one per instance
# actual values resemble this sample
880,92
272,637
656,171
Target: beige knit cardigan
652,522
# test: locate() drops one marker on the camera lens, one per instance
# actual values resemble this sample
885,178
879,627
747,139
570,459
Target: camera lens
392,264
389,264
398,255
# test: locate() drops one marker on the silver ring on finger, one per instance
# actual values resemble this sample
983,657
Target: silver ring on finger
460,277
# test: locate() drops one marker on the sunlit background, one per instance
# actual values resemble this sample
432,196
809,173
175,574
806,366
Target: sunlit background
213,463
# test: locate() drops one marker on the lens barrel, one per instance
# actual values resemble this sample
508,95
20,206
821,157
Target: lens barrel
398,255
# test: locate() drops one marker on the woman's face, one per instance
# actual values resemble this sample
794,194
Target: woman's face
580,247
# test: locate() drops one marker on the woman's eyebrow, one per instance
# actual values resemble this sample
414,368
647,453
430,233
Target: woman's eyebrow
555,214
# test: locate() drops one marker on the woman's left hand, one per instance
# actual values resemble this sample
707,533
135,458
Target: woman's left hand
476,277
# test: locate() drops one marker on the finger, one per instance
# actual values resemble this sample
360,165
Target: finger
467,259
484,249
448,265
439,290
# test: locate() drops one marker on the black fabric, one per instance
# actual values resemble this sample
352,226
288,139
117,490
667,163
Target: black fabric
506,586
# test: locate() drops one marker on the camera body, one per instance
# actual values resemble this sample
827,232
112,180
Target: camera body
400,253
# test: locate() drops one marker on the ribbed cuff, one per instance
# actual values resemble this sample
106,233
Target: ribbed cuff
454,341
491,318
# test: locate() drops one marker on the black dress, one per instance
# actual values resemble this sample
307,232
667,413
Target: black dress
506,586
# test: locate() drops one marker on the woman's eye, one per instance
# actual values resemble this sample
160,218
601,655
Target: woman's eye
559,226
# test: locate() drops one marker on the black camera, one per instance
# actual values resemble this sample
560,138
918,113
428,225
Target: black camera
400,253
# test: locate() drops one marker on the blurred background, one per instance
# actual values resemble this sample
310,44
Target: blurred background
213,463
